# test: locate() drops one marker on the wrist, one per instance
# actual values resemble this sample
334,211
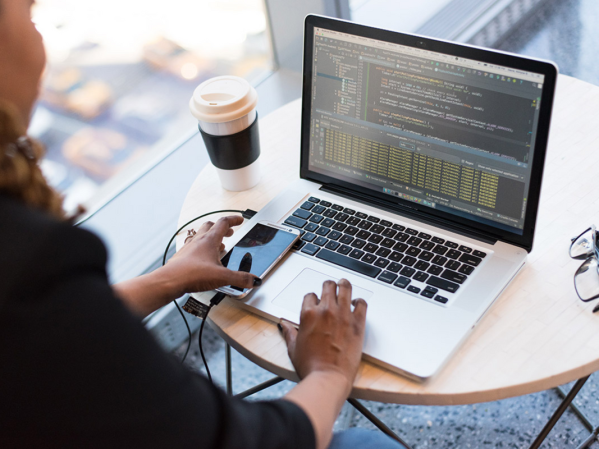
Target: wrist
333,379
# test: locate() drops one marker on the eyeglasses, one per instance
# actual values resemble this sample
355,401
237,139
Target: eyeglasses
586,278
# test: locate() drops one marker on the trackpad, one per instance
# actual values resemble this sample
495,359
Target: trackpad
310,281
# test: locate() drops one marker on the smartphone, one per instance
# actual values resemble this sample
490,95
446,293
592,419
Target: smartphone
258,252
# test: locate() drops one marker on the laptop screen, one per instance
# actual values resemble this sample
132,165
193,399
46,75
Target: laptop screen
446,132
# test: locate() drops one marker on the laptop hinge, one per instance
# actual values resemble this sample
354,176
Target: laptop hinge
407,212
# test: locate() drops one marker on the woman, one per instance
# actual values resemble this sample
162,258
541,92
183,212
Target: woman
97,379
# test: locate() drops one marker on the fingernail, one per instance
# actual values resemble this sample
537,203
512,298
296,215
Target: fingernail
257,282
280,327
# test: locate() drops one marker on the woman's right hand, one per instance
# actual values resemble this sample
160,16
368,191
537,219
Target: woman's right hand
330,335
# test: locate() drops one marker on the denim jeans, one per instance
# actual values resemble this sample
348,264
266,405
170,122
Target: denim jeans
356,438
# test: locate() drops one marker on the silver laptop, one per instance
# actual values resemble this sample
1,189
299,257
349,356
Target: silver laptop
421,167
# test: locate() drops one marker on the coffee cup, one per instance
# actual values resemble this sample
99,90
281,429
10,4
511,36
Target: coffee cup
225,108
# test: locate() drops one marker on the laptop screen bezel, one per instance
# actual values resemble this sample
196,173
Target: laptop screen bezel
401,206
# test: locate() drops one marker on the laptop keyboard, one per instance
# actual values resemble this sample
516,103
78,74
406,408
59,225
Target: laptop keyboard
416,261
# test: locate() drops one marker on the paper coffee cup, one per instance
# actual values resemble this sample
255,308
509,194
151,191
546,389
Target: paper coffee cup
225,108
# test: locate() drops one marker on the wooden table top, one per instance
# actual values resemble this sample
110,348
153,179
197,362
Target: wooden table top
536,336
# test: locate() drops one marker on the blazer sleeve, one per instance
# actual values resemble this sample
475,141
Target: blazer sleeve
79,370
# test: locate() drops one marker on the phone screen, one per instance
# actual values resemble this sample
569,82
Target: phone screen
257,250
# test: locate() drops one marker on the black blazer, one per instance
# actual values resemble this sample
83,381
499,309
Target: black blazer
77,369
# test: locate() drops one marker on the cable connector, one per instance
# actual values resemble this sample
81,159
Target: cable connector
248,214
216,299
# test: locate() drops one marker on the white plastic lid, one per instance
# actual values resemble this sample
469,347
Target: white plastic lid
223,99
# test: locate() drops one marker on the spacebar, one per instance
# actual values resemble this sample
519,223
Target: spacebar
348,262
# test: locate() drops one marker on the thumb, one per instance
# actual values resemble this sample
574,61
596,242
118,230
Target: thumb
289,333
240,278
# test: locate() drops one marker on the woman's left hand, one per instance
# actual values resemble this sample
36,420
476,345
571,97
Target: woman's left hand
196,267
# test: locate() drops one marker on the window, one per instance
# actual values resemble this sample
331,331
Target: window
120,75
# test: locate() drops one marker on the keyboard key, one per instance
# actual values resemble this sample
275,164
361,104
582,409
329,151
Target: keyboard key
316,218
332,245
387,277
363,235
426,255
358,243
307,205
435,269
361,215
319,209
414,241
356,254
313,200
408,260
413,289
399,228
365,224
411,231
427,245
453,254
440,249
296,221
377,229
351,230
311,227
310,249
401,247
353,221
424,236
470,260
402,282
451,244
420,276
388,243
437,240
337,207
346,239
386,223
422,265
401,237
453,276
381,263
466,269
349,211
308,237
375,238
339,226
322,231
325,204
388,232
383,252
369,258
341,217
328,222
478,253
349,263
394,266
413,251
439,260
302,213
453,265
395,256
329,213
371,248
344,249
465,249
442,284
298,245
335,235
407,271
374,219
441,299
321,241
429,292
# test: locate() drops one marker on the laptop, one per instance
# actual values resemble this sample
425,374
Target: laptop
421,167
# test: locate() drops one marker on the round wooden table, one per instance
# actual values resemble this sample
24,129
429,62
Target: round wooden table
537,335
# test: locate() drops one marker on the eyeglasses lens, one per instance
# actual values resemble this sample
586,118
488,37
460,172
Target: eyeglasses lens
582,247
586,279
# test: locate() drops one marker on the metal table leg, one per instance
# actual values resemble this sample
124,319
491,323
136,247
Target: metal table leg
229,373
559,412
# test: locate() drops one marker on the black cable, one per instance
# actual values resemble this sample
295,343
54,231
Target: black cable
175,301
200,344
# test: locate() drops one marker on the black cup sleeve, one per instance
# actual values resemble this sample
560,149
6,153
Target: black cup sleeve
235,150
